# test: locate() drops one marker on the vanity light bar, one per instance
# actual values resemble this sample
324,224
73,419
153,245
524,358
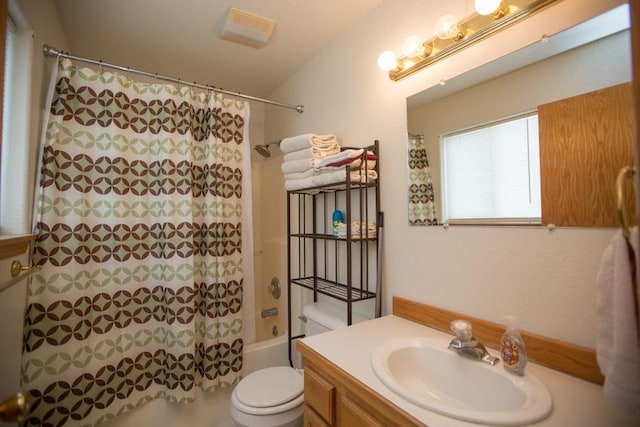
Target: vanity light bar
476,28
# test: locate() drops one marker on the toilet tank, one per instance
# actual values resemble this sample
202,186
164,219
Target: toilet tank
324,317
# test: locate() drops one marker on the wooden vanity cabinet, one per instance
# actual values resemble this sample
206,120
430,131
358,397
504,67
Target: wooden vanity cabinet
333,398
319,399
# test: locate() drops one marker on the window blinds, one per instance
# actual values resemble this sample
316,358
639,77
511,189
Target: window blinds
492,173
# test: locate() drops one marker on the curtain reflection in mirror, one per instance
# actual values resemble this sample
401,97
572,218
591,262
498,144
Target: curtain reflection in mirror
422,210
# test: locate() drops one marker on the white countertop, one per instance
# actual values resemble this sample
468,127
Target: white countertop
575,402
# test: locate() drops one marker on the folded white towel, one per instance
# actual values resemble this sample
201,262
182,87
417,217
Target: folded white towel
355,164
321,143
295,143
297,155
329,177
296,166
297,184
326,178
300,175
339,159
618,348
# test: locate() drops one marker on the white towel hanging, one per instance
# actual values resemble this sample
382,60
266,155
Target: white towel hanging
618,345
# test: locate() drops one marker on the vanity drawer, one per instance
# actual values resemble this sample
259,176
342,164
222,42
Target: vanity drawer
319,394
354,415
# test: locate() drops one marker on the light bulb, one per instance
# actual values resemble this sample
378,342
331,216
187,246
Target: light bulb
447,27
387,61
413,47
487,7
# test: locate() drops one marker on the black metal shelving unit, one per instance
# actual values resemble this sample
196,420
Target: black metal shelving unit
343,268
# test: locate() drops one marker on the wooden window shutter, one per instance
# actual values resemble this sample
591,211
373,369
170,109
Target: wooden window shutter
584,141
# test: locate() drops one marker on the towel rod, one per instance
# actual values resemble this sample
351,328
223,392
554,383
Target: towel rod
627,172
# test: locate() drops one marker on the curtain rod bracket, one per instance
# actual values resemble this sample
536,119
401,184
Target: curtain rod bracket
50,52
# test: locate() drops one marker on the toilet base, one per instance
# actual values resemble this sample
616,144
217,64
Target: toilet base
291,418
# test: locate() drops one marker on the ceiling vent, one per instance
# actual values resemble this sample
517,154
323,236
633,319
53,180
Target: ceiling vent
247,29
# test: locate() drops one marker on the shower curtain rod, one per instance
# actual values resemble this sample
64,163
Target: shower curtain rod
52,52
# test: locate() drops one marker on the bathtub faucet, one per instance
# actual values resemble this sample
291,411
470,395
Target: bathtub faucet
269,312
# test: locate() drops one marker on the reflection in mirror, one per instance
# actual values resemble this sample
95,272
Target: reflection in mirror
491,173
585,58
422,209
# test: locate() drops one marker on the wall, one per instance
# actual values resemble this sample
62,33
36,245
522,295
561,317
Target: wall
41,19
546,279
536,84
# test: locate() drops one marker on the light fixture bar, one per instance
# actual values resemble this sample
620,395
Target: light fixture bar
476,32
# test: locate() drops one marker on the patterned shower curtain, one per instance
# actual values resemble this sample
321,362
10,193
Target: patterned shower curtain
422,209
139,239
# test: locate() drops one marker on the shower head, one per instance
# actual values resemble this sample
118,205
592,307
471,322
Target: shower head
263,149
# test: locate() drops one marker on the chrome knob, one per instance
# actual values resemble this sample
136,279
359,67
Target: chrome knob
275,287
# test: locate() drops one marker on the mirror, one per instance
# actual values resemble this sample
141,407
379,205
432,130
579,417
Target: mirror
590,56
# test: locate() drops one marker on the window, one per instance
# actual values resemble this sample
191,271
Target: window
16,191
491,173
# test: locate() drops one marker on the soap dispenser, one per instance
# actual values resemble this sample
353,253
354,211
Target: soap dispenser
512,349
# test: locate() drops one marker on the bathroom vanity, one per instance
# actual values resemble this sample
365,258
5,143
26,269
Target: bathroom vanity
341,388
334,398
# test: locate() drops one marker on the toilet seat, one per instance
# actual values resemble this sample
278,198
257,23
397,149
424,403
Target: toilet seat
269,391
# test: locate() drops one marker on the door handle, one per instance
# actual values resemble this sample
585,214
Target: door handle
14,409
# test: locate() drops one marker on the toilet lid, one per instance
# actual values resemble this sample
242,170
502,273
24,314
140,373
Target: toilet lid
270,387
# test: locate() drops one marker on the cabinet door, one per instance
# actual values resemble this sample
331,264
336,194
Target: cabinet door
312,418
319,394
584,142
354,415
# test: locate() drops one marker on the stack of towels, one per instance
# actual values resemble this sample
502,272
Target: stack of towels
312,160
359,230
363,230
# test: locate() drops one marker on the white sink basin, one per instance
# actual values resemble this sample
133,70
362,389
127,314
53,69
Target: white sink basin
424,371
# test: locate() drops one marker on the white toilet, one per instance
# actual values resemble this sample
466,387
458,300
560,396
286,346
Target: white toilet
273,397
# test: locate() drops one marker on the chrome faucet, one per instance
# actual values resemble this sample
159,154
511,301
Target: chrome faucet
465,343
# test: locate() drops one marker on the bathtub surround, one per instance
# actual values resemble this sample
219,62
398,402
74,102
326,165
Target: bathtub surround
139,239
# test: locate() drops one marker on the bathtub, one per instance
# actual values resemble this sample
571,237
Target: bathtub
264,354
